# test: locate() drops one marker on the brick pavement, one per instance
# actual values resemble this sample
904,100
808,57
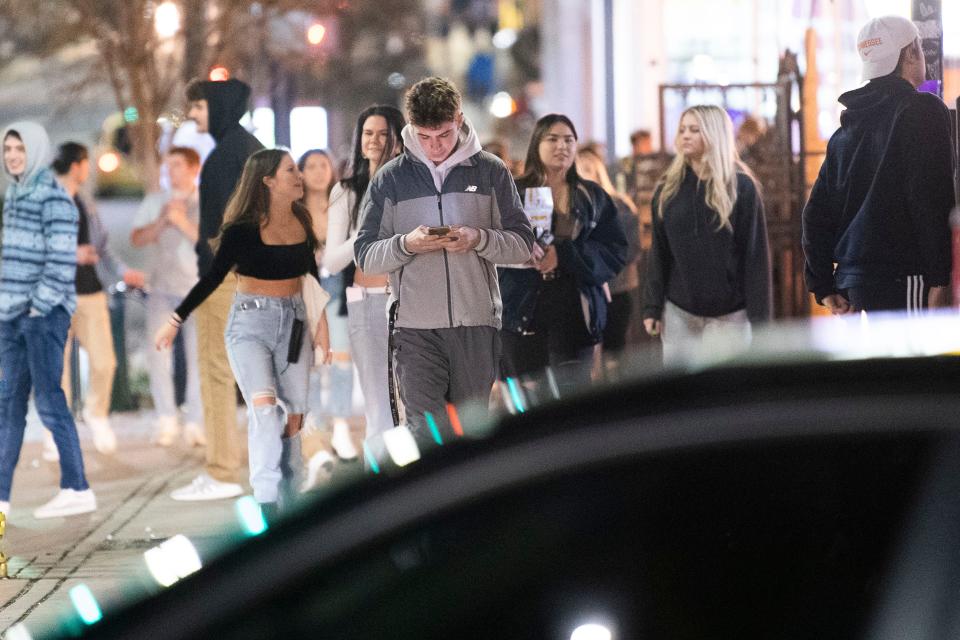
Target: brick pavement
103,549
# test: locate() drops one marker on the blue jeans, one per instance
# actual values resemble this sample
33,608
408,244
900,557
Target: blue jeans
340,397
257,338
369,334
31,356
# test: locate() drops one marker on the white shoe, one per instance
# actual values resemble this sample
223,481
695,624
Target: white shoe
193,435
167,430
103,437
341,442
204,487
319,465
50,452
68,502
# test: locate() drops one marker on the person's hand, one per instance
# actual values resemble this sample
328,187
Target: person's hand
165,336
549,261
938,297
176,213
87,254
321,340
837,304
467,239
419,241
135,278
653,327
536,255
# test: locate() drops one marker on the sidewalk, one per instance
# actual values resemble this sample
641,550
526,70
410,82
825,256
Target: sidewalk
104,549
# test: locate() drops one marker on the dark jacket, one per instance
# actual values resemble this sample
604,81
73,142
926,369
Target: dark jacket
594,258
880,207
707,271
226,104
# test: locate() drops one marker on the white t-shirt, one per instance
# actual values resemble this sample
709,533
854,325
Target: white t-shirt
172,259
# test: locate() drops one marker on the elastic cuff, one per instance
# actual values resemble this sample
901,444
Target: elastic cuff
403,246
484,240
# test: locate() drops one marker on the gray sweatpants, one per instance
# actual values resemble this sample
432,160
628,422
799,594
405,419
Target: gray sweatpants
437,367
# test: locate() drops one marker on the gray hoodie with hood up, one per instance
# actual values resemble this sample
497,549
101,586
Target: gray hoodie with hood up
39,255
472,188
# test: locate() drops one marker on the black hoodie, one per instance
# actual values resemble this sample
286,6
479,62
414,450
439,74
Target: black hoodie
880,207
226,104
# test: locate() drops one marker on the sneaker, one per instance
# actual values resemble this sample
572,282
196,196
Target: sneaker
68,502
193,435
341,442
103,437
204,487
319,466
167,430
50,452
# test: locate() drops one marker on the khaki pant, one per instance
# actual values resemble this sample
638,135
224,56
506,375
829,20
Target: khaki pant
91,326
217,389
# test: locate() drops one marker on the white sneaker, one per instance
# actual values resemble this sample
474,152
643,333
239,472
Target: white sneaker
167,430
68,502
193,435
50,452
103,437
204,487
341,442
319,466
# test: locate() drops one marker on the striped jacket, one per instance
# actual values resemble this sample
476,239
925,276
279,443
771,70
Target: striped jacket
39,257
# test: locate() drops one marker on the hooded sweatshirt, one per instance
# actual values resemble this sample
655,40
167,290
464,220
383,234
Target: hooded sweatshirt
471,188
226,103
880,207
39,256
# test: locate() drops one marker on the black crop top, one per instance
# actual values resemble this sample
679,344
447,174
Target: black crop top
241,246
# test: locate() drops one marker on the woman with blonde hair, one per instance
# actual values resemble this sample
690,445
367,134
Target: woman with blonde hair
709,267
590,166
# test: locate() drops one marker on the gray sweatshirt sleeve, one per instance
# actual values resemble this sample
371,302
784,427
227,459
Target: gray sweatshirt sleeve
511,238
377,248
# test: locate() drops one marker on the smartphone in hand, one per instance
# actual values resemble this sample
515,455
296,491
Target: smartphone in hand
443,231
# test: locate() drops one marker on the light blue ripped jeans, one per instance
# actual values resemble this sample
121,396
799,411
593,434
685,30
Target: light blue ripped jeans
258,339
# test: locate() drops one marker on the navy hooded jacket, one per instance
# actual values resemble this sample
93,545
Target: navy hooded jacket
226,103
880,207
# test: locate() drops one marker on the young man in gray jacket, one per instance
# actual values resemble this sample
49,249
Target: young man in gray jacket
438,219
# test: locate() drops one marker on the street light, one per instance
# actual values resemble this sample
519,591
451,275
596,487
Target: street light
166,19
316,33
219,73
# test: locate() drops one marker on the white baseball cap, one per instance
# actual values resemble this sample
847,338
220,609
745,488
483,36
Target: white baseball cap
879,44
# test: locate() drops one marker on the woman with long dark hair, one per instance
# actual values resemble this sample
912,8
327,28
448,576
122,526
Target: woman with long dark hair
708,275
376,141
267,237
319,179
554,311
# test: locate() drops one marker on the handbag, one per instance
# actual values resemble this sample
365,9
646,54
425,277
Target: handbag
315,299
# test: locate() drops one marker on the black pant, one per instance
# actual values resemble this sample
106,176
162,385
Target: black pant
558,338
618,321
901,294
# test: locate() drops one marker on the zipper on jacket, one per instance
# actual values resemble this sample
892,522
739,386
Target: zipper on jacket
446,267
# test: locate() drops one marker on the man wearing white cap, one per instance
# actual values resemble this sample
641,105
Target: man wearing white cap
876,228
